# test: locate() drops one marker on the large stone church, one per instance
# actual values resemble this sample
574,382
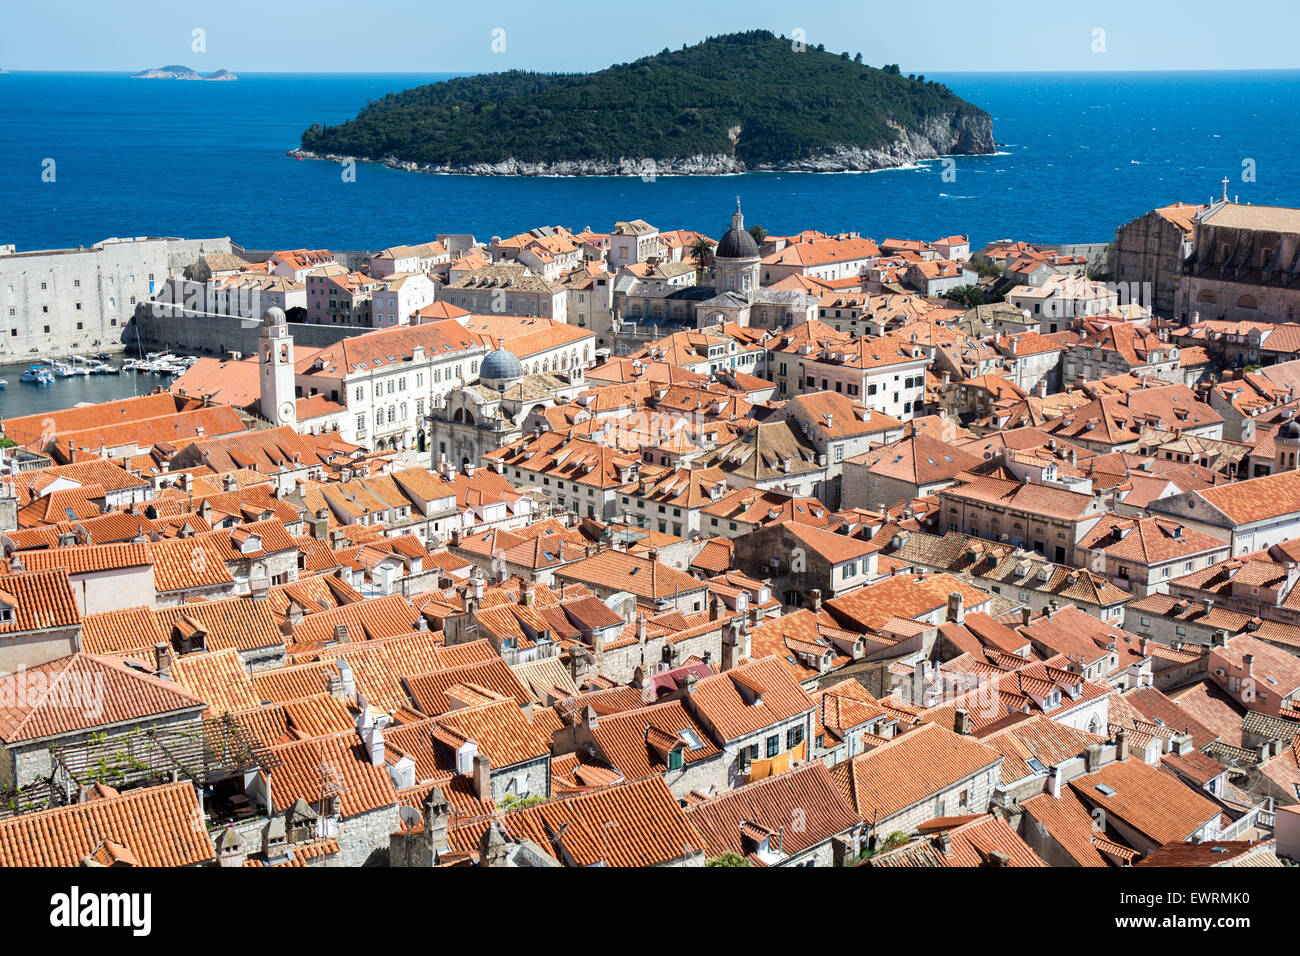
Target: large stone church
735,295
1244,264
478,418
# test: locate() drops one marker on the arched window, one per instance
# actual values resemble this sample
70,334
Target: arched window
1247,302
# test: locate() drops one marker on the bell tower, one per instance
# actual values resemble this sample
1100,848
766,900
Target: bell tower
275,360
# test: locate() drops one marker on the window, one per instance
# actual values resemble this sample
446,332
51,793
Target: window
674,760
793,737
773,745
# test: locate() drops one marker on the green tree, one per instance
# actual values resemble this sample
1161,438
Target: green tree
968,295
673,104
759,233
727,859
702,250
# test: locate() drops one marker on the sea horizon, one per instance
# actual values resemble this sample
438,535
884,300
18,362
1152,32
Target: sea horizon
1079,153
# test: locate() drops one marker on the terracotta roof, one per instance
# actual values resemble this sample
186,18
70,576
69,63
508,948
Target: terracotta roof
902,596
159,826
1068,822
621,571
1153,803
41,601
432,692
750,697
634,742
909,769
1256,499
336,762
79,692
629,825
796,810
218,677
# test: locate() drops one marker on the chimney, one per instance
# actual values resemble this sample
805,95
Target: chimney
816,595
1248,664
162,658
1092,758
375,744
341,634
1219,639
1025,615
1121,744
961,722
944,840
999,859
346,684
482,776
956,607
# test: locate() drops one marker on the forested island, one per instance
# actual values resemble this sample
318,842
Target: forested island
745,101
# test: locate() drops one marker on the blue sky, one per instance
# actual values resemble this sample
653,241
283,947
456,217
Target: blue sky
433,36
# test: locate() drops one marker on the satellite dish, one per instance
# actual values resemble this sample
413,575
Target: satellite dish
410,817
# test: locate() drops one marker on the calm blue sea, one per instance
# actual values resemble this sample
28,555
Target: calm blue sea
1081,153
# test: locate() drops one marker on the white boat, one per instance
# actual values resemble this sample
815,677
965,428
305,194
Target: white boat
37,376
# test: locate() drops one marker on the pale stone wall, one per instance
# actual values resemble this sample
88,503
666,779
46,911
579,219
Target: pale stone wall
84,297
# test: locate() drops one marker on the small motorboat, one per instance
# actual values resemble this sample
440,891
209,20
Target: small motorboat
36,375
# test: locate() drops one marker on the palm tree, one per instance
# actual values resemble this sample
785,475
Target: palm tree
759,233
702,250
968,295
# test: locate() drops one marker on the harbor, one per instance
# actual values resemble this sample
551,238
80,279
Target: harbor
34,387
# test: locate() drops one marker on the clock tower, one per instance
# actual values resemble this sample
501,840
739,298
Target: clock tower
275,358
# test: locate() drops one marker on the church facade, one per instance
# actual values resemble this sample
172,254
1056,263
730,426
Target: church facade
1244,265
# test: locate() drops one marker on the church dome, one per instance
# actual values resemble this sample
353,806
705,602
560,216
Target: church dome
500,365
1290,431
737,243
274,316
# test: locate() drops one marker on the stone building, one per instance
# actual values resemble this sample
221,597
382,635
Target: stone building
1152,249
475,419
735,295
60,300
1244,264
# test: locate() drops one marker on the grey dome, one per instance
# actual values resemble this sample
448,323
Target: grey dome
1290,431
499,365
736,242
274,316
